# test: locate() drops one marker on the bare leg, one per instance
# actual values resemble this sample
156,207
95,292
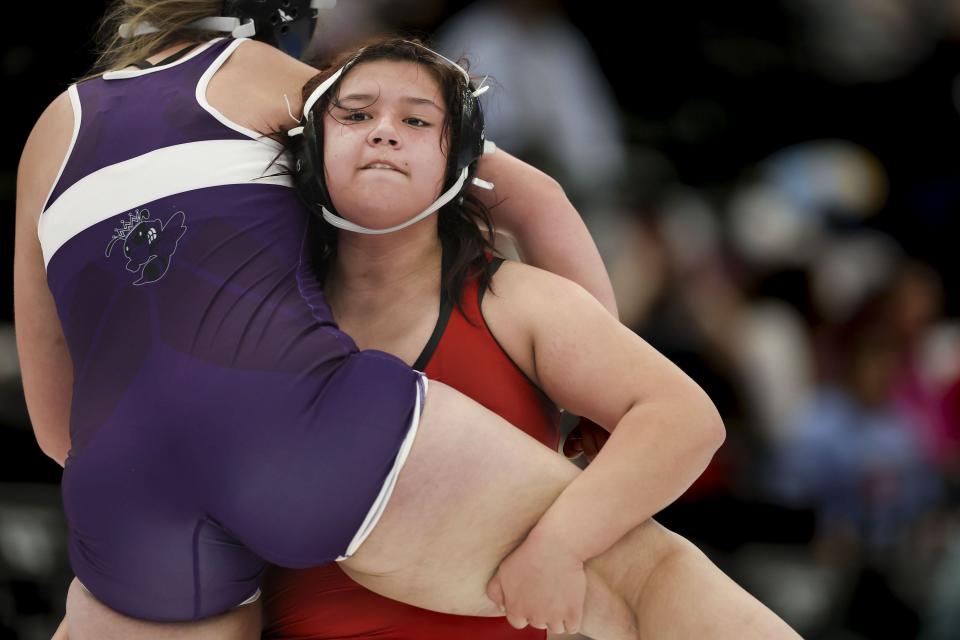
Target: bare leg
61,632
473,486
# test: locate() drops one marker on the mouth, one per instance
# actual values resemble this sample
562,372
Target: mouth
382,166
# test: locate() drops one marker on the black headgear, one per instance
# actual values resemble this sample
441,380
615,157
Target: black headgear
285,24
467,145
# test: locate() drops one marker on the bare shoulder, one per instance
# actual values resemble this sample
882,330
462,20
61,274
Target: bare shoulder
262,54
535,291
55,123
250,87
43,155
269,64
526,305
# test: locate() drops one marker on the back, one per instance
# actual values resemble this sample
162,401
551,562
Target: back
168,234
209,378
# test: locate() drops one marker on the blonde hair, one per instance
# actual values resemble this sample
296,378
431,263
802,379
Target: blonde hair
171,18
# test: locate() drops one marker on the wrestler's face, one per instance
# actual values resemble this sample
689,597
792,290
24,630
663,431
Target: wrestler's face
384,157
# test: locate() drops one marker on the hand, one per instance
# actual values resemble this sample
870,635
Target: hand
587,438
541,584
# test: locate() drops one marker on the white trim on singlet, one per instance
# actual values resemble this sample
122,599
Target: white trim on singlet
121,74
202,92
386,490
75,103
126,185
256,596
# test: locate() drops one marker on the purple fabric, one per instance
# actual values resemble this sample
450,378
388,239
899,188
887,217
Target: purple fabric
125,118
220,419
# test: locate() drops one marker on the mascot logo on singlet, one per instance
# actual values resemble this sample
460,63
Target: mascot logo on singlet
148,243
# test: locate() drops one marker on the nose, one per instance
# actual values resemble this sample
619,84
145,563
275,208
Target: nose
384,134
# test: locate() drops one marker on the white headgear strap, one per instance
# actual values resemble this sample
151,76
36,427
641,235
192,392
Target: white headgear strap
447,196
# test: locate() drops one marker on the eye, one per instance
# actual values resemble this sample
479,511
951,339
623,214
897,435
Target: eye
417,122
356,116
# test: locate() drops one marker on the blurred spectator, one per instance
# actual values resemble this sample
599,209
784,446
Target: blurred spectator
342,28
943,615
858,452
857,41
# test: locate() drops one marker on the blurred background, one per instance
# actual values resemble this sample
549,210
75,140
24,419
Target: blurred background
774,188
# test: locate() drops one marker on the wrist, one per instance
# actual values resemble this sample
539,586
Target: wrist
550,534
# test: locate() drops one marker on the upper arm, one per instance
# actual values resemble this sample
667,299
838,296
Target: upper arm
549,232
579,354
249,88
44,360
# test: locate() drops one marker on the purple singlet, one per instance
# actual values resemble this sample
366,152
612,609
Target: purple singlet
220,419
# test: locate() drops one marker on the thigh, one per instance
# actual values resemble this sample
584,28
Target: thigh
88,619
472,487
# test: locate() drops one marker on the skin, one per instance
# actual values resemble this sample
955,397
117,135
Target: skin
520,493
248,89
566,344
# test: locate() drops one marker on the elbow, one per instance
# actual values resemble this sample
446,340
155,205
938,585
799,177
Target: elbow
53,448
714,433
718,433
703,429
553,186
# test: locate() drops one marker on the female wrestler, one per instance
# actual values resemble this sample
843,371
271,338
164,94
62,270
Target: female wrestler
193,401
417,292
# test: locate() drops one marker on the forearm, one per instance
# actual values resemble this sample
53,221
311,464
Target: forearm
550,234
48,390
655,453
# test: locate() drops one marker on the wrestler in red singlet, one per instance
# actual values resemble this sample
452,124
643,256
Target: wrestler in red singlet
323,603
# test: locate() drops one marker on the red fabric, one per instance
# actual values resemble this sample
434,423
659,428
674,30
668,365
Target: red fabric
323,602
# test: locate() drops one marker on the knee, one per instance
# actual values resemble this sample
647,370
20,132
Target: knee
632,563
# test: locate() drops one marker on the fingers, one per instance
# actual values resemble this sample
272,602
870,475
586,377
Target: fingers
594,437
591,444
573,444
587,438
557,627
495,593
572,622
518,622
561,627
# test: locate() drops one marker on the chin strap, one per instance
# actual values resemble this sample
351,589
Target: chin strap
346,225
342,223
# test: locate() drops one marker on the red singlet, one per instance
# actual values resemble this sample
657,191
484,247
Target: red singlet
323,603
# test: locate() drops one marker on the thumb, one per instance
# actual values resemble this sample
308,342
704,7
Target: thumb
495,593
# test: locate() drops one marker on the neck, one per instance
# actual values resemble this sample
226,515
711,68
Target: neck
374,271
169,51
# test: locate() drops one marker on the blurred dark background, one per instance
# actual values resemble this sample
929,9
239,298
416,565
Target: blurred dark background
774,188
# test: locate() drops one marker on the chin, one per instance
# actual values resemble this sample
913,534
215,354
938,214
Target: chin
388,215
380,209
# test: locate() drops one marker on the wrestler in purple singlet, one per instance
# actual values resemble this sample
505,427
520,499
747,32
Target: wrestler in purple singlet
220,420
